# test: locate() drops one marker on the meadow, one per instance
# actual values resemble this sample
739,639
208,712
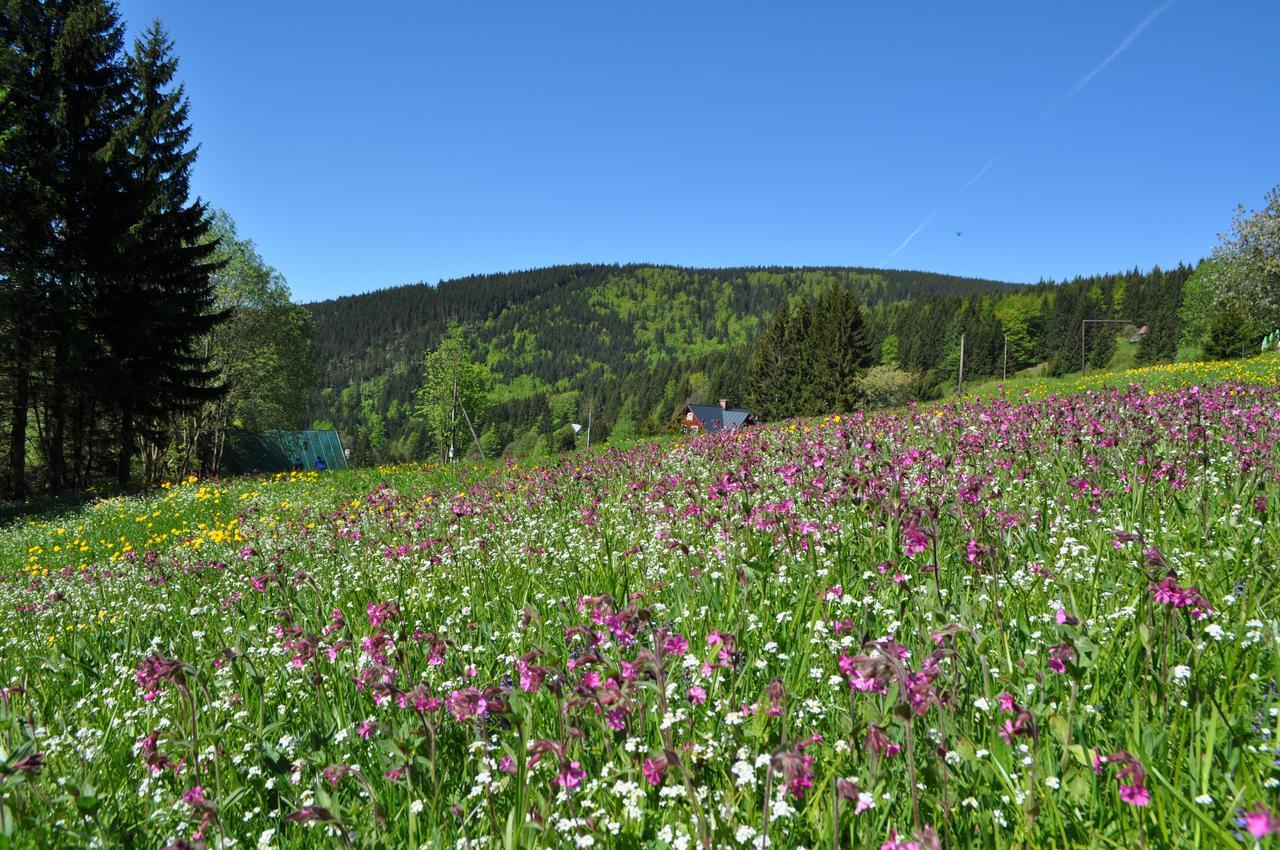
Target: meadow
1041,621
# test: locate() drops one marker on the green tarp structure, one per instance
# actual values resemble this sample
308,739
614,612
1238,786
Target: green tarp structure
281,451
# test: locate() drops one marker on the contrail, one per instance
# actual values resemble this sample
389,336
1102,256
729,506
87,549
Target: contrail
975,178
1129,39
913,234
1080,84
1121,48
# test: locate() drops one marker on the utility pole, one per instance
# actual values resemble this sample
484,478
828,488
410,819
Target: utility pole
472,429
453,414
1004,376
960,383
589,427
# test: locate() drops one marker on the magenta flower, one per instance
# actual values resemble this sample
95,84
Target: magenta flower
381,612
914,541
155,670
194,797
334,773
467,703
654,770
1135,795
696,695
570,775
675,645
1260,822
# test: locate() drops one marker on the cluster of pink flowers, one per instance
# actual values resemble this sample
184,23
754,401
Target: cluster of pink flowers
1167,591
156,670
1131,776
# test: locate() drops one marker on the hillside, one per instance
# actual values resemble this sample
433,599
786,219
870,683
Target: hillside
616,332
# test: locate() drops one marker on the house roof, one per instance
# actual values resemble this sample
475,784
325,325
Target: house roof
713,417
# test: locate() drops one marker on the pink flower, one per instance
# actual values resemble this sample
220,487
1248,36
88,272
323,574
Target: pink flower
696,695
1135,795
653,770
506,765
894,844
467,703
367,728
914,541
1260,822
675,645
334,773
381,612
570,776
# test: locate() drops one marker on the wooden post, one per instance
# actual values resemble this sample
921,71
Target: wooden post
453,415
589,427
1082,327
472,429
1004,376
960,382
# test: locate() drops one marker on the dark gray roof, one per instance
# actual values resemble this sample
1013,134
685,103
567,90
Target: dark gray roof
714,418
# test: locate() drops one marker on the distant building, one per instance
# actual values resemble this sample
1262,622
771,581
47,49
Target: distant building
711,418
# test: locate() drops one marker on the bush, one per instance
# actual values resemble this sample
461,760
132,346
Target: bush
888,386
1232,332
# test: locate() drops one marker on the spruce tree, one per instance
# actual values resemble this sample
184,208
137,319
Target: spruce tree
840,354
1232,332
90,91
766,371
28,174
161,302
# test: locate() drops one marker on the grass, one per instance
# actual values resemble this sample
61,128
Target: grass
1263,370
981,624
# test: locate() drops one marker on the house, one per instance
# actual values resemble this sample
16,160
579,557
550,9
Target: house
711,419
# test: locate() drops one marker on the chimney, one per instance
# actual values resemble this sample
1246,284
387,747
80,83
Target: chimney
724,404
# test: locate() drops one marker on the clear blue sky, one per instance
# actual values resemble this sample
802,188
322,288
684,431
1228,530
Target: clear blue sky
368,145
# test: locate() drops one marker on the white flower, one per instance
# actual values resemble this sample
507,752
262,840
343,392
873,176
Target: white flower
1204,800
1052,782
1214,631
415,807
264,840
1181,673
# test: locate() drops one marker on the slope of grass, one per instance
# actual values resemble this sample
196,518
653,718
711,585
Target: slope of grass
1263,370
978,624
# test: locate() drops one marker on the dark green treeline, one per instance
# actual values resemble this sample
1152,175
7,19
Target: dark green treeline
105,260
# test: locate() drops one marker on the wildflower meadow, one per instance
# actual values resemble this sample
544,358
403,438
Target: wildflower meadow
997,623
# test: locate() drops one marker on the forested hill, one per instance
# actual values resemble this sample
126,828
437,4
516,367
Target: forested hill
626,341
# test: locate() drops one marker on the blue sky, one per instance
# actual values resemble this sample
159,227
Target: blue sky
424,141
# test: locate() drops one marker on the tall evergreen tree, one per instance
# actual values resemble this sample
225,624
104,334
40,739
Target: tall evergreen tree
841,352
28,174
90,96
767,369
162,300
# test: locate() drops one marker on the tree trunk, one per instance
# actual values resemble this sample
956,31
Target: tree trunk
18,429
56,460
126,447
